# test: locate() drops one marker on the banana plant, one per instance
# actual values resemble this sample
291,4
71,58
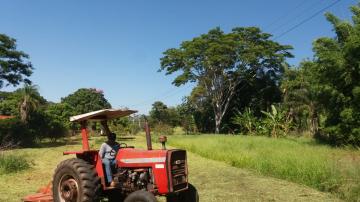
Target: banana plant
277,122
246,120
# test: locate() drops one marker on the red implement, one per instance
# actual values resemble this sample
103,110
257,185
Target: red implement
44,195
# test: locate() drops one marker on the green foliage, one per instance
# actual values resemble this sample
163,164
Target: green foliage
10,163
338,78
219,62
40,125
200,109
188,124
41,119
44,125
301,96
276,123
166,118
36,122
247,121
9,103
14,64
85,100
162,129
298,160
14,132
30,101
61,112
159,113
122,126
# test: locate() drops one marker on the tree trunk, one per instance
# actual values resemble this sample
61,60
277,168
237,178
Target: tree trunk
314,120
24,111
314,124
105,128
218,118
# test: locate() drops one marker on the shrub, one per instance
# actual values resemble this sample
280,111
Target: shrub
45,125
246,121
162,129
10,163
276,122
41,125
13,131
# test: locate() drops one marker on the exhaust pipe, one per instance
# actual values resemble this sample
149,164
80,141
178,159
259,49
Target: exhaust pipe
148,136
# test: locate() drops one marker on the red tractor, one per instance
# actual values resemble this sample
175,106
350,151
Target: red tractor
140,174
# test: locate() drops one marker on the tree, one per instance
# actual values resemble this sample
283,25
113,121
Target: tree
300,95
61,112
33,120
220,62
30,101
14,64
338,75
85,100
186,118
199,105
9,103
257,94
159,113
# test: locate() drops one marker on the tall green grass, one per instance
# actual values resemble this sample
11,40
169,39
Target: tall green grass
10,163
297,160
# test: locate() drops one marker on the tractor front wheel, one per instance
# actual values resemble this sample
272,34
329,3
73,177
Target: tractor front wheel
75,180
189,195
140,196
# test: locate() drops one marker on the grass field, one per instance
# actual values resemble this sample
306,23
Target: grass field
215,181
298,160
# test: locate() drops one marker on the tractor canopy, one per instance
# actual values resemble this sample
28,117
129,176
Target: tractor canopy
102,115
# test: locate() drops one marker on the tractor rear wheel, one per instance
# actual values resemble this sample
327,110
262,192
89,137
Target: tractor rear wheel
189,195
115,196
75,180
140,196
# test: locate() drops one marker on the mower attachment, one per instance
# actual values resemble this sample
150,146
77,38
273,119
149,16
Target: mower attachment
44,195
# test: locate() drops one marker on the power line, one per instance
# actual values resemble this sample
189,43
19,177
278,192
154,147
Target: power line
307,19
284,15
302,12
282,34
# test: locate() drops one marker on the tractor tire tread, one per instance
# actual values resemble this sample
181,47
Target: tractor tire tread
140,196
89,181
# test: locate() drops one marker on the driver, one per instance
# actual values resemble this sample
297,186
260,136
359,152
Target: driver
107,153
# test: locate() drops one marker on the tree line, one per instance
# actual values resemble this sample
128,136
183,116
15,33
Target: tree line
243,85
35,118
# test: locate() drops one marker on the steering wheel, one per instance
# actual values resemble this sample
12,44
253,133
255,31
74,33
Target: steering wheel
122,145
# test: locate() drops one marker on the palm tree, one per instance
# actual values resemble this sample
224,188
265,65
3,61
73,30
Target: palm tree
30,101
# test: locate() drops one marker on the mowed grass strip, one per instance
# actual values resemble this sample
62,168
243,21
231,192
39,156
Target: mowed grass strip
298,160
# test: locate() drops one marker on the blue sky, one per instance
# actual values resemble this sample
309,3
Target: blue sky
116,45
